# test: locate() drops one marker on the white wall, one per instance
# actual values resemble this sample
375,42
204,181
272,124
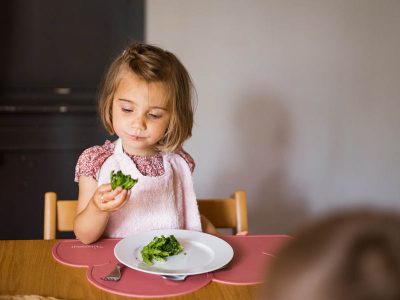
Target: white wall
298,101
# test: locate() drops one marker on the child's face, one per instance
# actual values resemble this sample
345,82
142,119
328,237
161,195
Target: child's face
140,115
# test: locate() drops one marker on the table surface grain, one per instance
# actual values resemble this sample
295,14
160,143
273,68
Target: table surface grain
28,268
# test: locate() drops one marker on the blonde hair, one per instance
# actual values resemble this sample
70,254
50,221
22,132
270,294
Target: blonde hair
153,64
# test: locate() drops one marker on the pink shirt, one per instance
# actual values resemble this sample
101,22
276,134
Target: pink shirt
91,160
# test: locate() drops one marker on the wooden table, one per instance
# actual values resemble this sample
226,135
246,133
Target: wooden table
28,268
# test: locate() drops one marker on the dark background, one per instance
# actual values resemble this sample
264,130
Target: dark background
52,58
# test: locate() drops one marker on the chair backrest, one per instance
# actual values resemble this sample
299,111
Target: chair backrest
226,212
222,212
58,215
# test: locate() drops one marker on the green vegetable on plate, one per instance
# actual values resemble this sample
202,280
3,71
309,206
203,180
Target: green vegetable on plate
160,248
120,179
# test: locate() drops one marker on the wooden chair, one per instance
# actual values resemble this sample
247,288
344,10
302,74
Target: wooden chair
222,212
228,213
58,215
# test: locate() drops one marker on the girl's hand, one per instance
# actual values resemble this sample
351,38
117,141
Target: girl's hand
108,200
242,233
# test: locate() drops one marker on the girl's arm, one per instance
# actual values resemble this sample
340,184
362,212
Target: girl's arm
95,204
208,227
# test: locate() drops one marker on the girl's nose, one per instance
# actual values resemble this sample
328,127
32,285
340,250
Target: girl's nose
139,122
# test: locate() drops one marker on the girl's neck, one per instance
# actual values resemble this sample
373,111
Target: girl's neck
143,153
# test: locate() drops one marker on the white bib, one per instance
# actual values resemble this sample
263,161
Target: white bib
163,202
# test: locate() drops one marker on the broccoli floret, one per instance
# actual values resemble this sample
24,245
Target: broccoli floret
120,179
160,248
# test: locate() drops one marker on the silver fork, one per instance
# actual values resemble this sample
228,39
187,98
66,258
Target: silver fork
115,274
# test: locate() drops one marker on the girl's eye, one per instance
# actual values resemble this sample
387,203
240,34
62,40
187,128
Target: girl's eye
154,116
126,109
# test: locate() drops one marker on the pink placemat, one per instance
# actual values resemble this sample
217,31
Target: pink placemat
139,284
251,256
100,260
76,254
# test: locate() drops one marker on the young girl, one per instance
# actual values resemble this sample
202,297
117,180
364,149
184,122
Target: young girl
146,101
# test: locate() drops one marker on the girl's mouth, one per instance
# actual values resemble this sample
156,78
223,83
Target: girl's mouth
136,137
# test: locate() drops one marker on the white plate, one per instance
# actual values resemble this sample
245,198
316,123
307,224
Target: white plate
202,253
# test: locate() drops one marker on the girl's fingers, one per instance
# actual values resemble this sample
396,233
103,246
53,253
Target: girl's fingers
120,199
106,194
101,194
242,233
114,200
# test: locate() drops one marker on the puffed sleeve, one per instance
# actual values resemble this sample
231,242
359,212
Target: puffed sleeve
91,160
186,156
